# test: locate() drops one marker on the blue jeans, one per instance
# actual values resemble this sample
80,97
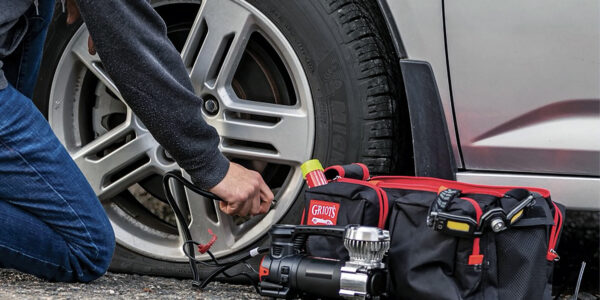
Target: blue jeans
51,222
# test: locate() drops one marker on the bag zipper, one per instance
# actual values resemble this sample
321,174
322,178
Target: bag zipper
381,195
431,184
430,188
554,234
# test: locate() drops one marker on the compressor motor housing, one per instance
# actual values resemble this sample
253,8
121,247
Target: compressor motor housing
289,272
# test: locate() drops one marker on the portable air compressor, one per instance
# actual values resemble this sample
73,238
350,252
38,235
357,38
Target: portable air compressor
288,272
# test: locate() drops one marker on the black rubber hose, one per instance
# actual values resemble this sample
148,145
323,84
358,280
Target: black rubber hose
184,226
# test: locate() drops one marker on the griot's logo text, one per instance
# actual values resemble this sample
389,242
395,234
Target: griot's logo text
320,210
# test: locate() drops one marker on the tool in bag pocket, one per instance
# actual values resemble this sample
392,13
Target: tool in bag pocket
447,216
473,241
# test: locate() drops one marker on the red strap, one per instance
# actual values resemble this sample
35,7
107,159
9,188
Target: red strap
478,211
558,220
475,258
383,208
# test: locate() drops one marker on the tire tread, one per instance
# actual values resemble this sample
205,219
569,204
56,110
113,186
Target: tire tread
365,33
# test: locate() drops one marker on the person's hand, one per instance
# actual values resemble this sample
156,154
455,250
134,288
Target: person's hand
73,15
243,191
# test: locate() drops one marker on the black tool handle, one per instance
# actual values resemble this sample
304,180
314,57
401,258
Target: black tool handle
334,231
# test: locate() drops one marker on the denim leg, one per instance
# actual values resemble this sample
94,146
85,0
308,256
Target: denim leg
21,68
51,225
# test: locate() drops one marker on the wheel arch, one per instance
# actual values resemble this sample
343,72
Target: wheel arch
430,139
392,29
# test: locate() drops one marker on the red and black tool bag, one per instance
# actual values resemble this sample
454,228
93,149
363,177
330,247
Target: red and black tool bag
348,198
426,262
456,255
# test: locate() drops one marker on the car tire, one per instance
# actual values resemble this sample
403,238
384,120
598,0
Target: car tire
352,69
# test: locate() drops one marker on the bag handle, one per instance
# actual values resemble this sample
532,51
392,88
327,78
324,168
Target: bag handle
357,171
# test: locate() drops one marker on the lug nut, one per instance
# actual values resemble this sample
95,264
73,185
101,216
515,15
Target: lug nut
211,106
168,155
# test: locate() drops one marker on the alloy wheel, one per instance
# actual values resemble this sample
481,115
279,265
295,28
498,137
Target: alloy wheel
257,97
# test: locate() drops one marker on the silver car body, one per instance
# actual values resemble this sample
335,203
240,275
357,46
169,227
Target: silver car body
520,86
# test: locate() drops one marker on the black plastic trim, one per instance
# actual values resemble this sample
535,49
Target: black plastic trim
432,149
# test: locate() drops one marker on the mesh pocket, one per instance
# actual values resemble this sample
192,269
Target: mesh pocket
522,263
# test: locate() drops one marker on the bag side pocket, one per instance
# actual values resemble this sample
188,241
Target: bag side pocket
421,260
338,203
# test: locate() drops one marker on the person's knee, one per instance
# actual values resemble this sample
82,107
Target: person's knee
108,249
96,259
105,242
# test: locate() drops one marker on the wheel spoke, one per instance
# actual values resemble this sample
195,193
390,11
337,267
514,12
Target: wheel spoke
264,131
202,211
111,171
216,42
105,140
92,62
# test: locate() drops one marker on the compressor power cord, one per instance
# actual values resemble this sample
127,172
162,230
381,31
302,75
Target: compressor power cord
189,244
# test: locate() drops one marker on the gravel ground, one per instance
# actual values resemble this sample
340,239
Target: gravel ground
579,243
16,285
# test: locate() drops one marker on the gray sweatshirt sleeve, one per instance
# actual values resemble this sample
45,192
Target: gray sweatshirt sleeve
132,42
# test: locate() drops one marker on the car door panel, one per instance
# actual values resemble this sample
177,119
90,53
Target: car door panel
525,79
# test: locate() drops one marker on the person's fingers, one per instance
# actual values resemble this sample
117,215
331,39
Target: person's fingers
91,48
223,206
245,208
73,13
244,191
265,206
266,197
255,203
227,208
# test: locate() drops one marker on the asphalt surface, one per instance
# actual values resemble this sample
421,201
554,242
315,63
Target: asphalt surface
16,285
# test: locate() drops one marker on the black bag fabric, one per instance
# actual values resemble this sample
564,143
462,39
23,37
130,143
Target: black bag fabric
347,199
442,257
515,263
